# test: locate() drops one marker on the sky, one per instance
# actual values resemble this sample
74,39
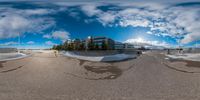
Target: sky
44,23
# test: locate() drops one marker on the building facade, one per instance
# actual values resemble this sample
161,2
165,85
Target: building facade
119,46
129,46
99,43
95,43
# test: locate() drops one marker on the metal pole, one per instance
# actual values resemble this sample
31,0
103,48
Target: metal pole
178,34
19,43
196,44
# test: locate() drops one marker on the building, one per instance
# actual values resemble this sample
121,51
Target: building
99,43
96,43
119,46
76,44
129,46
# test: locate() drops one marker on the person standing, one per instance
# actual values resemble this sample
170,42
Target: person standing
55,52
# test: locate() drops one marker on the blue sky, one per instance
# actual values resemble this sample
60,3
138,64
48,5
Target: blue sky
42,24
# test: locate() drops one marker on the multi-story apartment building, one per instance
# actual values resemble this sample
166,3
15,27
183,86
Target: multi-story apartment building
100,43
97,43
129,46
119,46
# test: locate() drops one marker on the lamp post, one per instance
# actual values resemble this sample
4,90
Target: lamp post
179,47
18,42
196,45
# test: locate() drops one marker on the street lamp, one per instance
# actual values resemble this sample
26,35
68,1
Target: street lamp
179,47
196,45
18,42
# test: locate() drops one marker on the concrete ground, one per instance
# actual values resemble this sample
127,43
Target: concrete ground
46,76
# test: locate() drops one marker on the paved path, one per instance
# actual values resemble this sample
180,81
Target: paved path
45,76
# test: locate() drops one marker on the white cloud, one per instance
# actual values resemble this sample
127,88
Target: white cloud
48,36
62,35
163,19
149,5
8,43
91,9
149,32
36,11
188,18
106,18
15,21
197,45
30,42
135,23
49,43
158,16
142,42
69,4
11,26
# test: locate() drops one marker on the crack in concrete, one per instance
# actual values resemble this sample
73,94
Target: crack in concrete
5,71
114,71
184,71
1,66
173,68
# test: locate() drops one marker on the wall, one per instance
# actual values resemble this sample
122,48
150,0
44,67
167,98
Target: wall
8,50
104,52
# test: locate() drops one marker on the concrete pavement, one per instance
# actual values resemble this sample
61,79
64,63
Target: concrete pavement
44,76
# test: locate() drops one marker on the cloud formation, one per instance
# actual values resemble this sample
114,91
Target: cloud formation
30,42
12,26
18,21
162,19
50,43
62,35
172,19
142,42
47,36
8,43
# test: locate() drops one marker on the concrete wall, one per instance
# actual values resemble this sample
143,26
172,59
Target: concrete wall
192,50
187,50
104,52
8,50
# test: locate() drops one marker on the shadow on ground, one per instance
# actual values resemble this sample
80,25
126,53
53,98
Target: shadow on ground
100,70
1,62
182,65
115,71
188,63
5,69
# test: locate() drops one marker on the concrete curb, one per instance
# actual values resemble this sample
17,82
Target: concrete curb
109,58
21,57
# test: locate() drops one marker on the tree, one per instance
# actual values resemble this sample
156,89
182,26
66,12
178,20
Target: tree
96,47
65,45
91,46
57,47
104,46
81,47
70,46
54,47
